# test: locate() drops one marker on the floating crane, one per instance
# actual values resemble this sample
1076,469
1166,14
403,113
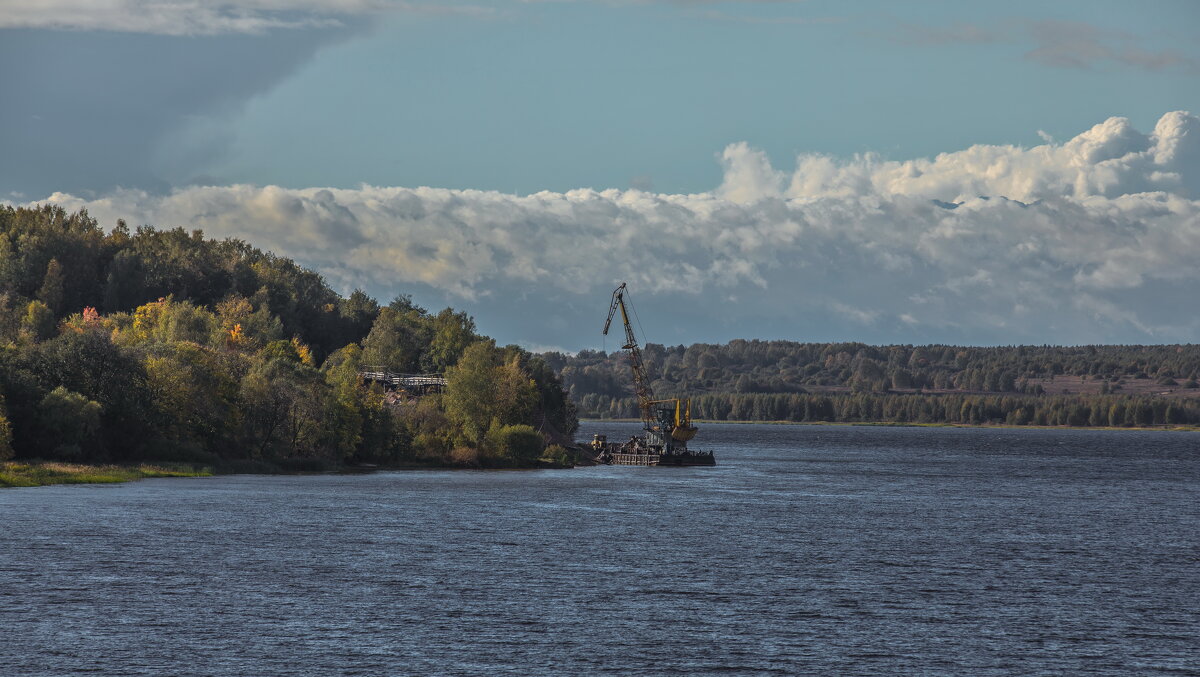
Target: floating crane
641,384
668,423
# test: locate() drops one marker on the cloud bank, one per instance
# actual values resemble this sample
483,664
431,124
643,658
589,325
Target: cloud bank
1091,240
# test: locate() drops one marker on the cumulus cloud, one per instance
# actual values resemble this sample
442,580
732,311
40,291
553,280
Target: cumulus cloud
1092,239
188,17
1109,160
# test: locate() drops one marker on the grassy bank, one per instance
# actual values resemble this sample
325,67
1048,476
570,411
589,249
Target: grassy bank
42,473
36,474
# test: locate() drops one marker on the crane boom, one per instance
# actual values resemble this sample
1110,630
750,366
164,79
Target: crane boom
641,383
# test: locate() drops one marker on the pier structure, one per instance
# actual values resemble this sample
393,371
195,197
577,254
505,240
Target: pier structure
413,384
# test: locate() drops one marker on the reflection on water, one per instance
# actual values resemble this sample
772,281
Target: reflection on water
807,549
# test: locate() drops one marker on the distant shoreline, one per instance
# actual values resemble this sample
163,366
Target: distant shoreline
893,424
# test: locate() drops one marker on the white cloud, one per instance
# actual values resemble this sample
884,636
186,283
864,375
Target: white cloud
193,17
1110,159
1086,240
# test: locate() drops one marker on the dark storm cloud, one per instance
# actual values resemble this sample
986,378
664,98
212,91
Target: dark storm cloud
85,111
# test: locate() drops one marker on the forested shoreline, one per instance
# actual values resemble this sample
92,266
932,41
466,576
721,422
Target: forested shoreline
1101,386
165,346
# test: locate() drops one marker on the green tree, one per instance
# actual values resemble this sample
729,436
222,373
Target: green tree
743,385
38,321
902,379
124,281
452,333
10,263
514,393
52,290
280,350
397,340
360,425
470,398
70,423
358,311
168,321
194,394
515,443
268,397
558,455
481,389
6,450
91,364
347,414
239,324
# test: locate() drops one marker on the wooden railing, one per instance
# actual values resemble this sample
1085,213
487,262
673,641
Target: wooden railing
409,382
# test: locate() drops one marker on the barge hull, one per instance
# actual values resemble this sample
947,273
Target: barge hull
661,459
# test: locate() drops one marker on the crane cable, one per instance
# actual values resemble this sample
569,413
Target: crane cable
635,316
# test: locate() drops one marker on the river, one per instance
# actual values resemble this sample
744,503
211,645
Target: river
808,549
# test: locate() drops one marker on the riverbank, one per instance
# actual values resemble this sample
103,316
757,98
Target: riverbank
37,474
45,473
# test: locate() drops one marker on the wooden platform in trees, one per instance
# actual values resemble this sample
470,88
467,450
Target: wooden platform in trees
416,384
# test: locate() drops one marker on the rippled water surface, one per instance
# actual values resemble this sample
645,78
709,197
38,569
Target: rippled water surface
835,550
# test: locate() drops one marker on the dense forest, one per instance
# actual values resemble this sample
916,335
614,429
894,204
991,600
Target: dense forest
851,382
164,345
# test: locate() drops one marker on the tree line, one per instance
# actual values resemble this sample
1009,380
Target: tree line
166,345
742,366
1040,410
790,381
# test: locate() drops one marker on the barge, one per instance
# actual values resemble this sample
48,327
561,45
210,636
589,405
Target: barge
610,453
667,424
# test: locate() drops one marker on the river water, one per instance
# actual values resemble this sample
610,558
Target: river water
808,549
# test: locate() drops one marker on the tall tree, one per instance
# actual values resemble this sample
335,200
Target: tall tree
397,339
452,333
470,398
51,291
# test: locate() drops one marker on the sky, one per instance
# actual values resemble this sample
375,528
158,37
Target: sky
929,172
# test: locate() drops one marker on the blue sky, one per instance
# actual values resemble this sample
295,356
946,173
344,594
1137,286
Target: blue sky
158,113
563,95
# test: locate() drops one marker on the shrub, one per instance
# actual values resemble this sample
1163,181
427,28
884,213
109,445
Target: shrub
558,455
467,456
519,443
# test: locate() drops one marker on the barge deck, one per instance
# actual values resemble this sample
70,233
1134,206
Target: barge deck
682,459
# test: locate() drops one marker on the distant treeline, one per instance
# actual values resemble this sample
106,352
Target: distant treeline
1053,410
788,381
165,345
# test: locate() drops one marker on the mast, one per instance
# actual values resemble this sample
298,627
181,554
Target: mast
641,383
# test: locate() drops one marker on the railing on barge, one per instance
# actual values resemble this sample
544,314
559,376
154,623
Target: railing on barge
612,454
